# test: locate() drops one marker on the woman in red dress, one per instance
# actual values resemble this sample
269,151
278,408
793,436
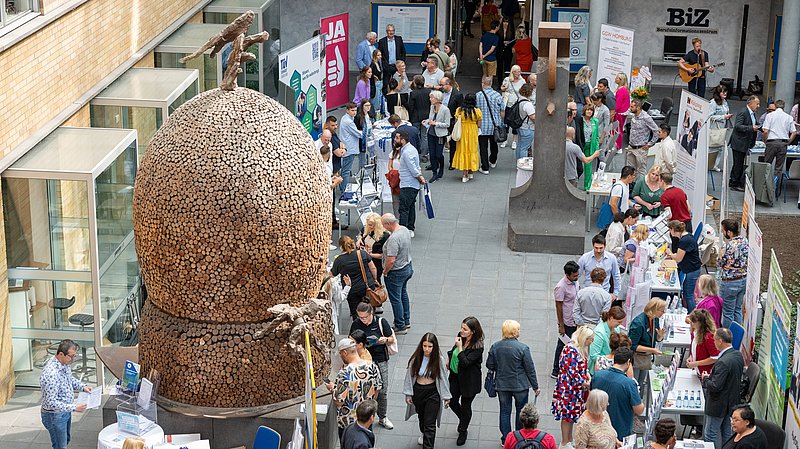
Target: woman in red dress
572,385
523,48
704,352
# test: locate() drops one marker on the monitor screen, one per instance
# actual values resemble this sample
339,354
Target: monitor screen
674,45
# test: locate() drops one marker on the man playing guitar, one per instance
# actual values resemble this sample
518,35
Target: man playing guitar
696,64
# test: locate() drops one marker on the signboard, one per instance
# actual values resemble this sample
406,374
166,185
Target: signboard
792,426
415,23
579,34
336,31
749,205
691,174
750,304
302,69
615,55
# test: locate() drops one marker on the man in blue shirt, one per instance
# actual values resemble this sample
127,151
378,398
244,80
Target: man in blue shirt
487,50
398,125
411,179
350,136
598,257
490,102
623,394
365,49
57,394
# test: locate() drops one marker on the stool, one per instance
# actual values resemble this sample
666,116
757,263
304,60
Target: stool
59,305
82,320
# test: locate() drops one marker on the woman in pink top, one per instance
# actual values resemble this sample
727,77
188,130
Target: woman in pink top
623,103
708,290
362,86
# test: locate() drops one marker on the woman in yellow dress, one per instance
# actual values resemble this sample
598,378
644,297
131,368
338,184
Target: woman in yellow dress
466,158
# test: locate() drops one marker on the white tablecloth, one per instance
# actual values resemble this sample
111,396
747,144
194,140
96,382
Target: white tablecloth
111,438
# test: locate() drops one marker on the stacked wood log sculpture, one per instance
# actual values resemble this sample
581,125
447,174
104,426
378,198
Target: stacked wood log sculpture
232,218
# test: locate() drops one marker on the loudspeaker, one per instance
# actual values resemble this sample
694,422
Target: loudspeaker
728,83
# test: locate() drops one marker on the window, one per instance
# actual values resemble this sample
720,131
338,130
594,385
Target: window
13,10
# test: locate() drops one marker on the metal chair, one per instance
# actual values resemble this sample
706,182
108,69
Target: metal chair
83,320
790,175
267,438
59,305
666,109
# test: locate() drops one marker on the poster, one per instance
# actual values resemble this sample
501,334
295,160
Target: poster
579,34
336,31
615,55
749,205
750,304
302,68
793,416
415,23
691,174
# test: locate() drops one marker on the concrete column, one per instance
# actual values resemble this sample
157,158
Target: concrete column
535,16
787,64
598,15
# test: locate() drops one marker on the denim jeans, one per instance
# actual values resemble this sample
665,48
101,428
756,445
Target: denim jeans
58,425
408,212
347,167
436,148
689,283
377,101
717,430
397,287
732,293
505,397
524,143
423,142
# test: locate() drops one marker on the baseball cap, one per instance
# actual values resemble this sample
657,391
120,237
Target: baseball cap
345,343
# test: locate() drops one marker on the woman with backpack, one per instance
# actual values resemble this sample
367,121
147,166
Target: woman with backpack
465,361
529,437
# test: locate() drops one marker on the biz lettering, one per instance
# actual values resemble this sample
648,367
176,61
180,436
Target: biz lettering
690,17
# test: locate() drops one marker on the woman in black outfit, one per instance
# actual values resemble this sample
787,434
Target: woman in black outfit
745,433
505,53
371,240
464,362
394,98
347,264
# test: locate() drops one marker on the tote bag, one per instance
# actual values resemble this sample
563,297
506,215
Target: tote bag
716,137
400,110
605,216
428,202
455,135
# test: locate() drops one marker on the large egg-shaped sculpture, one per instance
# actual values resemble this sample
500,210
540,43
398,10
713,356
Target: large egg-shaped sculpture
232,217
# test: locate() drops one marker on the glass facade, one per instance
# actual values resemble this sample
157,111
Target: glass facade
15,9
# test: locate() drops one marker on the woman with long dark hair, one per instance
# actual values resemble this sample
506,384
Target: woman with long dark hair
465,361
376,83
467,159
363,85
426,387
704,351
363,123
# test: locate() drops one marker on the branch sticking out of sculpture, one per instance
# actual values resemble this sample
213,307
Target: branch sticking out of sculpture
233,34
297,319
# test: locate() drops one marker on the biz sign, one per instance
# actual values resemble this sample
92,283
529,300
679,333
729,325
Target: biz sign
335,29
689,20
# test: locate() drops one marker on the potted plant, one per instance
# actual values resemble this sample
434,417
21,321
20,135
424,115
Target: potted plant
641,93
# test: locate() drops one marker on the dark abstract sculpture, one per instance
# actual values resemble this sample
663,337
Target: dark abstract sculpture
232,222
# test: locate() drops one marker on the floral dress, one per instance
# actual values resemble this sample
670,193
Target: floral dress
569,396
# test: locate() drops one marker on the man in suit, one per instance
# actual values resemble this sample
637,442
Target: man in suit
392,50
419,107
745,128
722,389
453,99
365,49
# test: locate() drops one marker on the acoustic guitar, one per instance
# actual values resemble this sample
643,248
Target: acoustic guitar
696,71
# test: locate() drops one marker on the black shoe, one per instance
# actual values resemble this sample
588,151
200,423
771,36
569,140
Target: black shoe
429,167
738,189
462,438
433,179
451,168
337,226
554,375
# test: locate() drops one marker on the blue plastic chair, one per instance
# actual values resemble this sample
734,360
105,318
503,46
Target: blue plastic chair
267,438
698,232
737,332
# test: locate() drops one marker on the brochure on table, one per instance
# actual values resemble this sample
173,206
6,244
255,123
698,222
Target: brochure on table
137,412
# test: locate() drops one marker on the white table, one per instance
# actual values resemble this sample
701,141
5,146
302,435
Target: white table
792,152
693,444
111,437
686,379
657,283
601,187
680,333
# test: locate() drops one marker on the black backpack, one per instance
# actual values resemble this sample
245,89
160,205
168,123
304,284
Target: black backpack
535,443
515,119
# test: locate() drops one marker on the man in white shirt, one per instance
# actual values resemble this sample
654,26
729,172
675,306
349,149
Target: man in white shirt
620,198
666,155
432,74
778,130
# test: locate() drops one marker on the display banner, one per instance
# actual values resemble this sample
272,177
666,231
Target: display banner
616,53
691,174
793,416
336,30
303,69
749,205
750,304
415,23
578,34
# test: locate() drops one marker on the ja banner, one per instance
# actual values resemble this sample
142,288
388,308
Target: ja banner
336,31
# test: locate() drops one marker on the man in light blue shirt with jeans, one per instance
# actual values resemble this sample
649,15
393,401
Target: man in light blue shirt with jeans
350,136
411,179
57,394
598,257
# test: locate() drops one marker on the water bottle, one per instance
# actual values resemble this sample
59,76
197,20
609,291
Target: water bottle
691,400
686,402
698,403
679,401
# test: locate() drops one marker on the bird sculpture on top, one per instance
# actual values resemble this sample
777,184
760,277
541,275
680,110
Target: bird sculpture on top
235,35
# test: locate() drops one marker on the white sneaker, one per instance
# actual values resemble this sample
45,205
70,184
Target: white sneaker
385,422
412,234
464,179
514,145
503,145
470,176
493,165
333,247
419,440
485,172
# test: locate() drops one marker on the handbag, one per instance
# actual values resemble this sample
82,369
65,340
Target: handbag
390,348
428,202
455,135
500,133
716,137
393,176
400,110
606,215
376,295
489,385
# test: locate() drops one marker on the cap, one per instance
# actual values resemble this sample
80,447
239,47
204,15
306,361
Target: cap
345,343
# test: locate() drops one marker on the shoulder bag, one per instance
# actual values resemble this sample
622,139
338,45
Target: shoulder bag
455,135
605,216
489,385
716,137
390,348
644,361
376,295
400,110
500,133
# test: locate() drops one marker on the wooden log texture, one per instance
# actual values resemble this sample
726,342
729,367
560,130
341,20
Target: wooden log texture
227,364
232,211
